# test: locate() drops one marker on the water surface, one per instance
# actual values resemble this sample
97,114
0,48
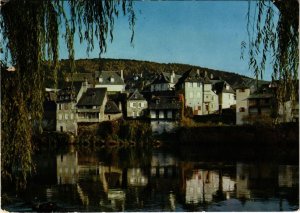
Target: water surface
85,179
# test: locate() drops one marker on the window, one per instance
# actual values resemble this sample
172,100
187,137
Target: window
140,105
59,117
190,84
135,104
66,106
212,98
242,90
100,79
66,116
242,109
59,106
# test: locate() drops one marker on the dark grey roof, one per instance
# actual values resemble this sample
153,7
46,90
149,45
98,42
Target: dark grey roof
191,75
165,77
165,102
136,95
220,87
66,95
111,108
107,76
92,97
260,96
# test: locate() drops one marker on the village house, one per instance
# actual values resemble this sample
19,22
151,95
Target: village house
136,105
91,105
192,87
66,111
242,93
112,112
226,94
210,98
164,81
164,113
113,81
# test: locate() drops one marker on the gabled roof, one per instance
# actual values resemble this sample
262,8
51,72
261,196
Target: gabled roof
111,108
136,95
220,87
107,76
66,95
160,79
92,97
191,75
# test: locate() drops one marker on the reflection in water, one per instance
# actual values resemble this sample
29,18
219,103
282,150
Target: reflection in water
119,180
204,185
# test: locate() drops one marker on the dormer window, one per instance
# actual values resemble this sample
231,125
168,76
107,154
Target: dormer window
112,79
100,79
227,87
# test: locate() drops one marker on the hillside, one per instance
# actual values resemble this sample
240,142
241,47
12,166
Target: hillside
133,66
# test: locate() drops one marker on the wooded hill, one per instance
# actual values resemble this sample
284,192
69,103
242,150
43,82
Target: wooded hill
131,67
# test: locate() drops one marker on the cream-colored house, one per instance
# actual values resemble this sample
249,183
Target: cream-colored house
136,105
113,81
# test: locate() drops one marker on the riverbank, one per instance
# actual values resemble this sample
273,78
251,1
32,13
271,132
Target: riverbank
238,142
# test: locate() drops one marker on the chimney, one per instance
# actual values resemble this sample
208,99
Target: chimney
122,77
211,76
172,77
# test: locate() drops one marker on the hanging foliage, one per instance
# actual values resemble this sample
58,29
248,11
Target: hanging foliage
30,32
276,38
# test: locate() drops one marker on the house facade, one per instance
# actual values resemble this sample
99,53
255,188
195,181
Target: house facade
226,95
164,113
210,98
91,105
112,112
242,93
136,105
191,85
66,120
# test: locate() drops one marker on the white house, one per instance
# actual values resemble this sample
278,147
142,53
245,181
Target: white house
164,113
136,105
210,98
226,94
66,111
112,80
242,93
164,81
91,105
192,86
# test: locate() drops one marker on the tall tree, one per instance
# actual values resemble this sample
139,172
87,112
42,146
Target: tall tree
278,38
31,30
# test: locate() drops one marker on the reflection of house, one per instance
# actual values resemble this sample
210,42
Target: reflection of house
66,111
163,165
112,80
135,177
164,81
203,185
288,176
136,105
164,113
67,168
91,105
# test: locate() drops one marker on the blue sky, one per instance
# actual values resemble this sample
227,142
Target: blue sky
202,33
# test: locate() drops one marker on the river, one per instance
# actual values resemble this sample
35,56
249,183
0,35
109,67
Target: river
133,179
